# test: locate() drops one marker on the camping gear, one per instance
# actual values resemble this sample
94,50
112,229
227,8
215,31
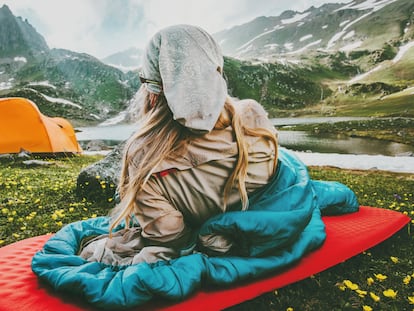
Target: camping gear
20,289
282,224
25,128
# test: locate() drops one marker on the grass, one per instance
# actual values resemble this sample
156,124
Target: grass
40,200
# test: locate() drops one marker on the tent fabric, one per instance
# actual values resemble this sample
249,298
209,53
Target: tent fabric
20,289
283,224
24,127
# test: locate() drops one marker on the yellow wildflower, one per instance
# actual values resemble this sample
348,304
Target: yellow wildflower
370,281
394,259
380,277
411,300
289,309
350,285
361,293
374,297
407,280
366,308
390,293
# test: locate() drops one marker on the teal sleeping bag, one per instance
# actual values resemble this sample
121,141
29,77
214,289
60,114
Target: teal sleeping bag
282,224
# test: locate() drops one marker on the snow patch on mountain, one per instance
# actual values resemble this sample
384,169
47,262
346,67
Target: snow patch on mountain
20,59
271,46
243,47
364,75
403,49
349,35
338,35
305,47
343,23
5,85
367,5
306,37
61,101
124,68
351,46
42,83
296,18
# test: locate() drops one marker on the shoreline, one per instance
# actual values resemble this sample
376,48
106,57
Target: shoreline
396,164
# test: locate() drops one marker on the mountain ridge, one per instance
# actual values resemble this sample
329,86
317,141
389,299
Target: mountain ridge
313,80
61,82
329,27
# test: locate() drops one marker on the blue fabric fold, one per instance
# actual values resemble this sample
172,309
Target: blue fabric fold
283,224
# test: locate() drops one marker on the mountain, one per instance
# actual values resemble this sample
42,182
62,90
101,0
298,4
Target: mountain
339,59
359,55
357,25
128,60
64,83
18,37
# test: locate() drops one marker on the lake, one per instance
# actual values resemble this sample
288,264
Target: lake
295,140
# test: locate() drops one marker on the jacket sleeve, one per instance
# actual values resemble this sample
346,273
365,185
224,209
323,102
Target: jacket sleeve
161,223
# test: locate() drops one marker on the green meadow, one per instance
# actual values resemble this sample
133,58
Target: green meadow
42,199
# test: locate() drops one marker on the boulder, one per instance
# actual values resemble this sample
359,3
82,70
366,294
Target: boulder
98,182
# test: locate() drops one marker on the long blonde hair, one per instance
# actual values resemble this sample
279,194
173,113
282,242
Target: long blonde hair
160,138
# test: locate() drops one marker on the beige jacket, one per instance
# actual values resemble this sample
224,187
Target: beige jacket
185,192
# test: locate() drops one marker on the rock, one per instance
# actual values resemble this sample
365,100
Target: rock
36,163
24,154
98,181
6,157
96,145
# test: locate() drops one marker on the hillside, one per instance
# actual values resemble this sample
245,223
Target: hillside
339,59
63,83
358,25
360,54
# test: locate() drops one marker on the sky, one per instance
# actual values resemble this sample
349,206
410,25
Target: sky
104,27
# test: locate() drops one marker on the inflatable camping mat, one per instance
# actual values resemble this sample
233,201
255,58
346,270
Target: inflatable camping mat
20,288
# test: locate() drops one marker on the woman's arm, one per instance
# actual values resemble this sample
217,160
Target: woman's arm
162,224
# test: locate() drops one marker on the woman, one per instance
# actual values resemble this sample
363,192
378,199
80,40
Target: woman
207,197
197,152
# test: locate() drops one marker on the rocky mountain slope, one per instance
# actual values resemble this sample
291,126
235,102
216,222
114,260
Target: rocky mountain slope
331,60
357,25
75,85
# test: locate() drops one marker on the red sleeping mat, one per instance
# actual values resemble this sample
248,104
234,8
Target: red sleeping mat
20,289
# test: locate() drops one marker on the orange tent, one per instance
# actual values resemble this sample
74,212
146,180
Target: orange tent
23,126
